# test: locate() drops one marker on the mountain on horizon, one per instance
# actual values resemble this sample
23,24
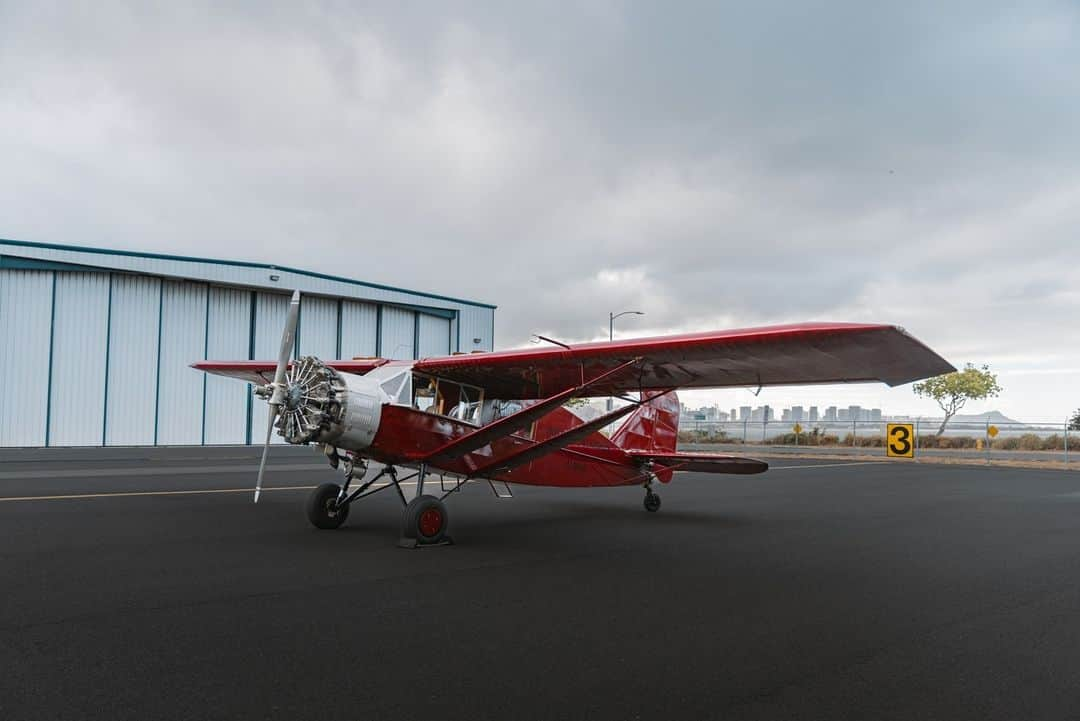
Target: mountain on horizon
989,416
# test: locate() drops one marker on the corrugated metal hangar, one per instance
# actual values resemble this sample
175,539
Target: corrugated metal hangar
96,343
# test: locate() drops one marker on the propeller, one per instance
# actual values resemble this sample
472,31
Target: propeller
276,390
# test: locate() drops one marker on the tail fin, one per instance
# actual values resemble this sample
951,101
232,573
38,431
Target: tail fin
652,427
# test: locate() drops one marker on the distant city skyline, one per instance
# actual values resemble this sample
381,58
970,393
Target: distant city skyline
793,414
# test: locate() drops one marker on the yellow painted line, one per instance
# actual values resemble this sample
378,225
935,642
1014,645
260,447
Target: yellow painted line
201,491
121,494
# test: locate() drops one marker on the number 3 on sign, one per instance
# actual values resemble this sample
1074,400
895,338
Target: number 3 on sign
900,440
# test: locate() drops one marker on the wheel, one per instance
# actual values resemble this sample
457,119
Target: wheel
322,508
425,520
652,502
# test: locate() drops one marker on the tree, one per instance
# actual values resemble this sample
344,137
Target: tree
1074,422
953,390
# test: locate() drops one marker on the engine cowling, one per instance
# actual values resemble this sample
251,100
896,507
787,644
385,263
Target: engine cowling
322,405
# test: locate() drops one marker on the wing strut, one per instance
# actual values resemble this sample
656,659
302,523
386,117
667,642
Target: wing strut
560,440
516,421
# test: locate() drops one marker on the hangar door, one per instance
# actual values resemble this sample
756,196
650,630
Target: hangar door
434,336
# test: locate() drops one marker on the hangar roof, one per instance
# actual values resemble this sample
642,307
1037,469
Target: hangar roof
51,256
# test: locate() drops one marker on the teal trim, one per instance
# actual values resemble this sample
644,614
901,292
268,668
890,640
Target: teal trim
416,336
491,345
240,264
108,353
457,326
157,381
12,262
337,348
378,331
299,326
206,351
251,356
48,386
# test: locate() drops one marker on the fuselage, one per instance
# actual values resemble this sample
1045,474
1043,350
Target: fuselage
406,434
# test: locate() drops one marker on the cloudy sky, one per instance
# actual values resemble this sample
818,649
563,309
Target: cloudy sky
712,165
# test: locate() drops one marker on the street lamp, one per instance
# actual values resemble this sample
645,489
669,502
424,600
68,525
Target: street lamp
611,335
611,321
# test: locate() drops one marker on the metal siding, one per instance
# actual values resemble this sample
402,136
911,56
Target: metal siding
397,333
476,323
318,327
133,351
434,336
228,327
270,311
359,333
25,321
183,331
80,329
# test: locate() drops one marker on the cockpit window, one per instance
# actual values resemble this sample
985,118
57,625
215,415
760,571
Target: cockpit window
446,398
423,393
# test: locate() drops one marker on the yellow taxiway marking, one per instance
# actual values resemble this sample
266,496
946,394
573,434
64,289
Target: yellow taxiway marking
120,494
195,492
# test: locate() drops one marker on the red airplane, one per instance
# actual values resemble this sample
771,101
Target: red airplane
501,416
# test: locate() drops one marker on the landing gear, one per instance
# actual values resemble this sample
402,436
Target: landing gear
652,501
424,523
323,509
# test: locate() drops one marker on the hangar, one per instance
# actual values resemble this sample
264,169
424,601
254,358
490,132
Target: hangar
95,344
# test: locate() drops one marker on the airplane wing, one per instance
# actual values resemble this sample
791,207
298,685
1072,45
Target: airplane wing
752,357
261,372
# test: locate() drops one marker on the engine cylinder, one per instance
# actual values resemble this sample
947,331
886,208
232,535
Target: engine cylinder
322,405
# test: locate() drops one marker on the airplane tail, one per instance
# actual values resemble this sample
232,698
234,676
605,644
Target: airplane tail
651,433
652,427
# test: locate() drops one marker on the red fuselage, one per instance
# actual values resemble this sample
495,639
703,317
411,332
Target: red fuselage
407,434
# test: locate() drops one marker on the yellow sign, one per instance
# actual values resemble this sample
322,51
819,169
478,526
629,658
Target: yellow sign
900,440
797,428
992,431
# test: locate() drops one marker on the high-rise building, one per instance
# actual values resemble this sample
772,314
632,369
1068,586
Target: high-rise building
830,414
843,414
785,415
855,413
734,416
797,414
813,414
745,413
875,415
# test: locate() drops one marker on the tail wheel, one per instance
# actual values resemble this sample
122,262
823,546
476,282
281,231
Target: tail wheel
322,508
425,520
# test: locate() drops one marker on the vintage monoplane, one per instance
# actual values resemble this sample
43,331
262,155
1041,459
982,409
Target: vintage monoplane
501,417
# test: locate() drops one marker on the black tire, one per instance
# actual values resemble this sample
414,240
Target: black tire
321,508
652,502
425,519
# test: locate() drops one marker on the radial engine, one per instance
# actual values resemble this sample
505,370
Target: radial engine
322,405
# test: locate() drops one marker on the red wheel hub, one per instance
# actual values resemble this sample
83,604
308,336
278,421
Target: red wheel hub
431,522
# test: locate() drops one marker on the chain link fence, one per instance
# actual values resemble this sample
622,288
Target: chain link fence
1018,441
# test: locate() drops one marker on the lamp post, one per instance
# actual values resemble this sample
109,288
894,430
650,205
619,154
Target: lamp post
611,335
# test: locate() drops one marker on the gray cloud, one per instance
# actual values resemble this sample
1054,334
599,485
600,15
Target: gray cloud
712,165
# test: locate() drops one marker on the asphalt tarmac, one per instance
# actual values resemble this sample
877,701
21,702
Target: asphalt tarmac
820,590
